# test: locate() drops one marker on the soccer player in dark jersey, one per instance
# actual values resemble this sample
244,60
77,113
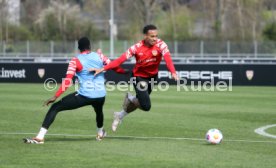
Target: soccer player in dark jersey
91,90
148,54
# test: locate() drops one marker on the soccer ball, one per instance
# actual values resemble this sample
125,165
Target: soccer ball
214,136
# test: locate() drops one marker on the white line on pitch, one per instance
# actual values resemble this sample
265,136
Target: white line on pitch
86,135
262,132
136,137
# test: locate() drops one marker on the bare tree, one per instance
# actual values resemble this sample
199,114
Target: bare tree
145,9
61,12
240,17
172,4
247,15
99,12
4,31
30,10
218,23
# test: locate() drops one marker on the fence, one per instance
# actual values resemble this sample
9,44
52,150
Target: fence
183,51
177,48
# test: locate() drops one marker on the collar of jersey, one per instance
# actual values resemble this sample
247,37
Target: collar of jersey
85,52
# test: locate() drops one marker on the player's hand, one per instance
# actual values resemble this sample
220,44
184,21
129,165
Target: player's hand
49,101
175,77
99,51
95,70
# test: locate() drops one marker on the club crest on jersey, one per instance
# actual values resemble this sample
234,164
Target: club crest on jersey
154,52
249,74
41,72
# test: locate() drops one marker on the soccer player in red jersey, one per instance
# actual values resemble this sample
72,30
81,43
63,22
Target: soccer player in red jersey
148,54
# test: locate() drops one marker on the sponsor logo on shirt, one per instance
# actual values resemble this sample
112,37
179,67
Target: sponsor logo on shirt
154,52
147,60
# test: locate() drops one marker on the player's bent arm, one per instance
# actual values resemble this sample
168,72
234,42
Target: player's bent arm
169,63
66,83
51,100
170,66
116,63
63,87
95,70
107,61
73,67
167,57
120,70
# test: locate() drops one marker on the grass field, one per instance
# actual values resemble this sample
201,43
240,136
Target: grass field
170,135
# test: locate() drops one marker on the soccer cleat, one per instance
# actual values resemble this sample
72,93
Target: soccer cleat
117,120
101,135
33,141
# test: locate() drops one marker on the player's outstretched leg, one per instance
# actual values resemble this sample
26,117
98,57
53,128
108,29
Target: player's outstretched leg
39,139
128,107
117,119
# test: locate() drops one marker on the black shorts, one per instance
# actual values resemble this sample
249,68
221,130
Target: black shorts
143,88
75,100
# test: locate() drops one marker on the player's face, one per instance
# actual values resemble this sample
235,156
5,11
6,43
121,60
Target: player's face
151,37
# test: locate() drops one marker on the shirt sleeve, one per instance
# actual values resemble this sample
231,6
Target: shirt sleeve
167,57
104,58
117,62
106,61
73,67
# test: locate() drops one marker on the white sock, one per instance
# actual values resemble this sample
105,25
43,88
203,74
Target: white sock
131,97
41,133
100,130
123,114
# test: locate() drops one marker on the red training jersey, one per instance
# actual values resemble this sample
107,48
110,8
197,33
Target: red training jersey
147,58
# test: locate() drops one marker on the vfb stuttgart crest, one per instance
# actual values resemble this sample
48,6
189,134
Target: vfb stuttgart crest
249,74
41,72
154,52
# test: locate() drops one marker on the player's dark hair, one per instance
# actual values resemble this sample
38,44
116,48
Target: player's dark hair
149,27
84,44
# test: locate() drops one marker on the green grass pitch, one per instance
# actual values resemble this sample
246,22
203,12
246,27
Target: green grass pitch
170,135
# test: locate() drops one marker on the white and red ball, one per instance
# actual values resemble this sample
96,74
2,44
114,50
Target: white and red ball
214,136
